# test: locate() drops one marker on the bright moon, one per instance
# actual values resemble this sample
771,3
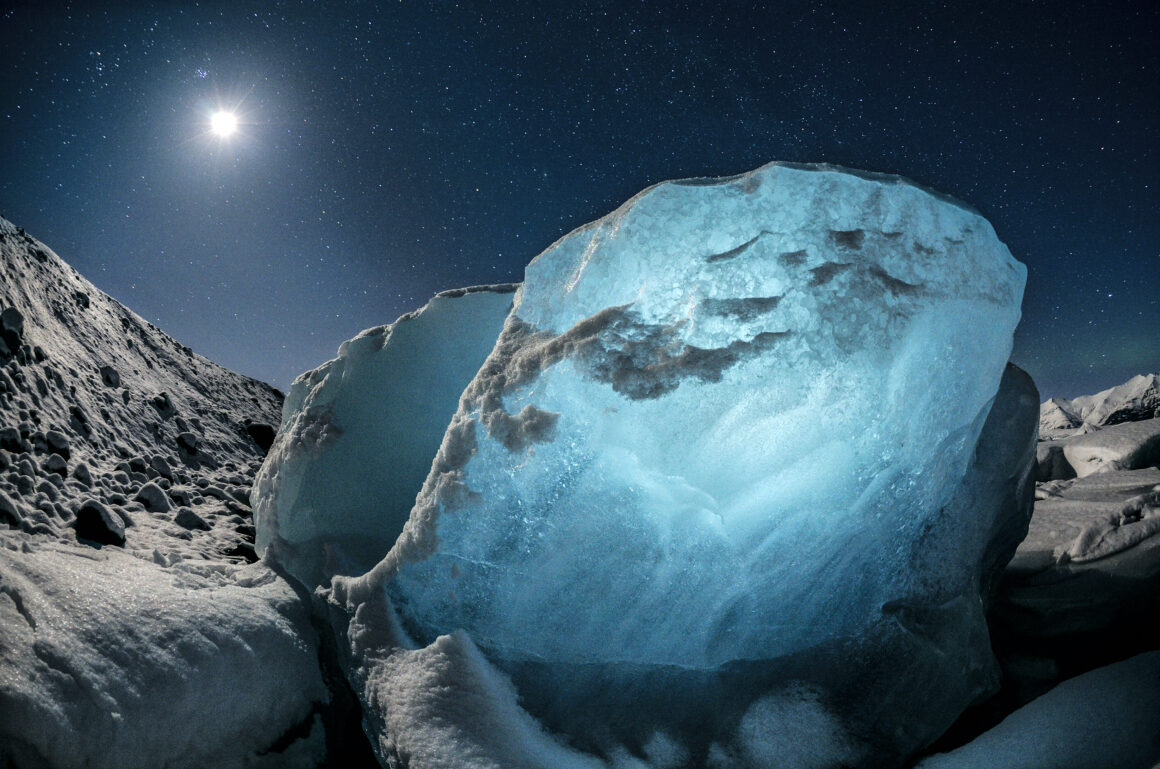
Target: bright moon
223,123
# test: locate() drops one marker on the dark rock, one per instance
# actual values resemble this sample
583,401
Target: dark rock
82,299
110,376
47,489
12,328
161,465
188,442
81,473
187,519
56,464
138,465
164,405
247,530
38,354
154,499
262,434
9,512
95,523
245,551
5,462
123,514
58,443
11,440
241,494
180,496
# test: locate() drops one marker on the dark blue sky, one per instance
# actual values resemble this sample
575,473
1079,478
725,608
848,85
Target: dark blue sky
391,150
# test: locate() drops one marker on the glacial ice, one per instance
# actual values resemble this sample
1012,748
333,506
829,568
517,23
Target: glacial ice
358,434
725,443
711,408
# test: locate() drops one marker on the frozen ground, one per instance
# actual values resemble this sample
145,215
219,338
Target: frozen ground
135,627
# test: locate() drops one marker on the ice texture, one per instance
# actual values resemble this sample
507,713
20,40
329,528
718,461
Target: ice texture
725,445
712,409
358,434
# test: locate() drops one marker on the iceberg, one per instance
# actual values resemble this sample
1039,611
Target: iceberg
727,461
358,434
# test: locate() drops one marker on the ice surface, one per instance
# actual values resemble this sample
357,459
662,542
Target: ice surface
725,440
675,419
358,434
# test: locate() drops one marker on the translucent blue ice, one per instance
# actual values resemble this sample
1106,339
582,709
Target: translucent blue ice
715,426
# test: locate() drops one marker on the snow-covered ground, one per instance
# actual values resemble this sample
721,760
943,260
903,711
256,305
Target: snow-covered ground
135,627
139,629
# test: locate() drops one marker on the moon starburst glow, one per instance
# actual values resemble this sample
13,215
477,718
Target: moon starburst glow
223,123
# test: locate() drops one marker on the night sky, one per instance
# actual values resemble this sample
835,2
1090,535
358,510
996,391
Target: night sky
387,151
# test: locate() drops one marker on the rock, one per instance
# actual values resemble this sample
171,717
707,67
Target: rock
664,473
188,519
164,405
243,550
110,376
188,441
58,443
9,512
11,440
56,464
153,497
161,466
94,522
180,496
82,474
262,434
12,328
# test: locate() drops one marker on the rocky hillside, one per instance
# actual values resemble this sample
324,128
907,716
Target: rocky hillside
133,617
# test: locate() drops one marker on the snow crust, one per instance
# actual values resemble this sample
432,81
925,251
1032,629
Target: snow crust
358,434
202,666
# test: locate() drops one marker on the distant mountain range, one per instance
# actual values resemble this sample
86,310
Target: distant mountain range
1134,400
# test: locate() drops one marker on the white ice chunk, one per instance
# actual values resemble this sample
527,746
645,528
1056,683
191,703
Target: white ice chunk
359,432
